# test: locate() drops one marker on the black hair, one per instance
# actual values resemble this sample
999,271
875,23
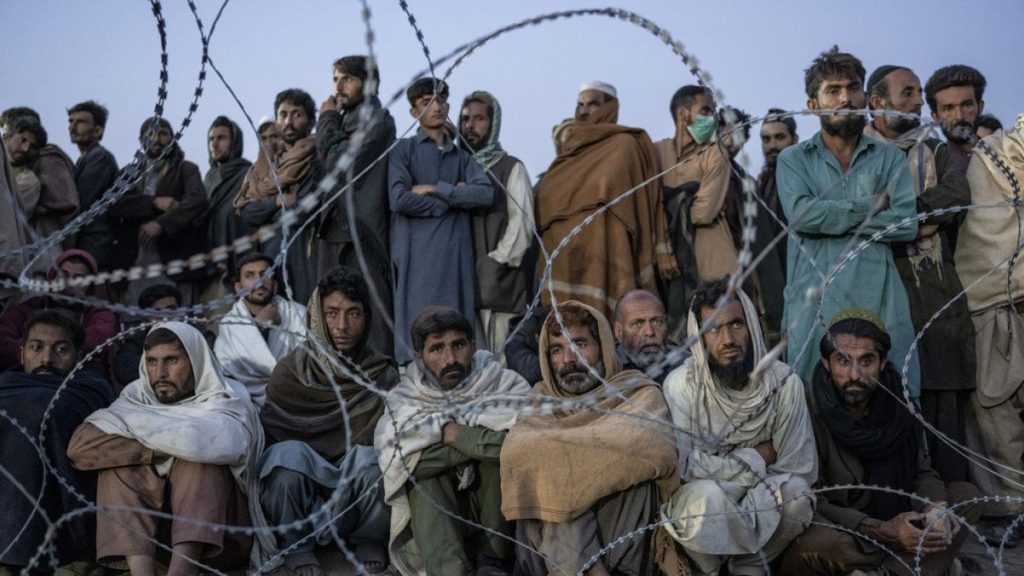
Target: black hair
148,123
98,112
955,75
707,295
437,320
249,258
858,328
32,126
989,121
742,121
426,87
358,66
60,319
778,115
161,336
156,292
832,64
572,315
684,97
11,114
298,97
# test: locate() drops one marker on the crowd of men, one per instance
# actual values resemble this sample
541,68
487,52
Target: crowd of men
450,369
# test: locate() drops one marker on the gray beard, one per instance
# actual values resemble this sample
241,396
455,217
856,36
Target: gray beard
579,383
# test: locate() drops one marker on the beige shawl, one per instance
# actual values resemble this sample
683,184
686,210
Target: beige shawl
292,167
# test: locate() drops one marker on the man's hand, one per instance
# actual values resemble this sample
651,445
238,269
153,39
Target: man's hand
925,230
424,189
330,104
901,531
269,313
286,200
149,232
449,432
937,512
767,452
164,203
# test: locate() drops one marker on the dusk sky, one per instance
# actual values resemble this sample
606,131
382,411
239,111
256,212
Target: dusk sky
58,53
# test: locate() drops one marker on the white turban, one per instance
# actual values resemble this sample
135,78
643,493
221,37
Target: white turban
600,87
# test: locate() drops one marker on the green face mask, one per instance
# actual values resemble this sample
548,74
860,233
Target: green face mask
702,129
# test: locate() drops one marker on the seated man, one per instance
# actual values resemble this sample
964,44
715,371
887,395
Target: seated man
33,396
590,472
641,327
100,324
323,401
438,444
261,328
746,449
178,440
867,436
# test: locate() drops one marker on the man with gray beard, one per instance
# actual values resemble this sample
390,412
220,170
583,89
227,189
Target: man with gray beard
641,329
926,266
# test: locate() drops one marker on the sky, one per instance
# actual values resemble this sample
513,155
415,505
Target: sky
59,53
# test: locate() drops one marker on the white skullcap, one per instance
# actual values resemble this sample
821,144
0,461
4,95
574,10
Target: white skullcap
600,87
263,122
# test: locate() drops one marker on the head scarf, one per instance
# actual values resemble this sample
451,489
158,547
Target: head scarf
606,339
491,151
216,425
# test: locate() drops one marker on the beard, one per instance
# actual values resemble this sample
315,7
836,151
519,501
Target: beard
257,301
844,127
577,380
452,375
961,136
49,370
646,356
901,124
735,374
854,393
175,394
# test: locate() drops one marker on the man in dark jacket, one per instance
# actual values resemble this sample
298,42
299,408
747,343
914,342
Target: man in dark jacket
223,181
344,235
95,173
164,211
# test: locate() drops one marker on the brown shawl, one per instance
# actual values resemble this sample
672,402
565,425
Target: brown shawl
601,161
292,167
302,404
557,465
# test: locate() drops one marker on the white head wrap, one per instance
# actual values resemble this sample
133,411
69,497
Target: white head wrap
600,87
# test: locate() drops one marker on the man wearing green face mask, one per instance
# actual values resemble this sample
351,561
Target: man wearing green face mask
693,161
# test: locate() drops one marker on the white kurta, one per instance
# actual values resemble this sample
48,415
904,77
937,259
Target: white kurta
244,354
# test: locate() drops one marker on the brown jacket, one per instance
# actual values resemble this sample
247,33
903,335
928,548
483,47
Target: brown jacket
93,449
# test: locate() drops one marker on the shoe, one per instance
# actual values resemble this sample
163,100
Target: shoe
996,532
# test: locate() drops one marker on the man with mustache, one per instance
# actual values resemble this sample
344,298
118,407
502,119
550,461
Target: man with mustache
438,443
506,254
179,440
954,94
323,402
346,237
261,328
435,187
778,132
926,264
275,183
587,461
641,328
838,189
35,394
746,448
868,437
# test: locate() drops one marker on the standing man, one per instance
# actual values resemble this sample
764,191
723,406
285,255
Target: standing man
506,255
223,181
95,173
433,187
954,95
926,267
838,189
367,195
778,132
626,244
261,328
746,450
438,443
164,210
995,295
181,436
267,194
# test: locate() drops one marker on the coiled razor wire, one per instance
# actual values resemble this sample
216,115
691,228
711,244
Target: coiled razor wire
312,205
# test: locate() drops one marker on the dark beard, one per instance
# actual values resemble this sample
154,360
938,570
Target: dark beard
735,374
901,124
845,127
576,380
854,397
959,136
259,302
